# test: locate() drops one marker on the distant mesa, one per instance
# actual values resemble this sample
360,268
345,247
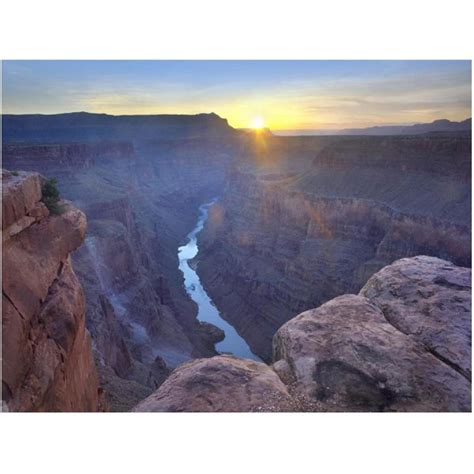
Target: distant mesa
85,126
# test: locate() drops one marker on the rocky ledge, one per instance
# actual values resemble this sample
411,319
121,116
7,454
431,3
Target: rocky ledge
402,344
47,358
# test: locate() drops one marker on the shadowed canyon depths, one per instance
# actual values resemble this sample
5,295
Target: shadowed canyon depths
299,221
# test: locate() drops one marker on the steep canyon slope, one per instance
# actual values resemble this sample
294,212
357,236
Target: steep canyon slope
304,219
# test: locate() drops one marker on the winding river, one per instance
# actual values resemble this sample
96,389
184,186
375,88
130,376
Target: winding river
207,311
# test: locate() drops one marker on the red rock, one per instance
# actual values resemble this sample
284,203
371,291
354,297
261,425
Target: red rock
47,356
20,194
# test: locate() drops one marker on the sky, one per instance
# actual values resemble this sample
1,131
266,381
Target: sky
284,95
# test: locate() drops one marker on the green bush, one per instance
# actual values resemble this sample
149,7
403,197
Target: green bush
50,196
15,173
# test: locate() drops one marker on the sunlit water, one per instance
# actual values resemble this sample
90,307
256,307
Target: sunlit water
207,312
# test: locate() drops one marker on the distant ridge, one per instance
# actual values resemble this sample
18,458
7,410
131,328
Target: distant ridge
442,125
87,126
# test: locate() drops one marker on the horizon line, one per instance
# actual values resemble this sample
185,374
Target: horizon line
305,130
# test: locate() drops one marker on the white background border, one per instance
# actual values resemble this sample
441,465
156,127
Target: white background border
237,443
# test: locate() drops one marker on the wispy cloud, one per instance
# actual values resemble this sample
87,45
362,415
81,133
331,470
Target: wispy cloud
290,94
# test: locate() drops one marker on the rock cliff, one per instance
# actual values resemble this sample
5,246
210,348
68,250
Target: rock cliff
402,344
47,357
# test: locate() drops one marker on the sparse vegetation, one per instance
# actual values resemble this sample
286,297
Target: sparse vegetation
51,197
15,173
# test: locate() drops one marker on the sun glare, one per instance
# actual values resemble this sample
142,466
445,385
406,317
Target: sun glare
257,123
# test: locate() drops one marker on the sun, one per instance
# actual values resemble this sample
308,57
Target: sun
257,123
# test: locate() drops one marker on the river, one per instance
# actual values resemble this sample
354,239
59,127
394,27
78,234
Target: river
207,311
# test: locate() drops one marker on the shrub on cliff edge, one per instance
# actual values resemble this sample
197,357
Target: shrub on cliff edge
50,196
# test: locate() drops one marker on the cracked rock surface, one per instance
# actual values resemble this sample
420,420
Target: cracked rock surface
429,299
402,344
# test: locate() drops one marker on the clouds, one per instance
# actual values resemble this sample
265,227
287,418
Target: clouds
288,94
403,97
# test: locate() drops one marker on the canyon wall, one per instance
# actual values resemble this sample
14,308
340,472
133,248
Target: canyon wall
141,199
47,357
402,344
292,230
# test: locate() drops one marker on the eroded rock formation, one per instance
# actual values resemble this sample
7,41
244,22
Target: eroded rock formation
47,356
402,344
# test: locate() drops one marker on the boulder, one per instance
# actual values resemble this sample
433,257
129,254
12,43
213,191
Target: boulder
346,356
429,299
220,384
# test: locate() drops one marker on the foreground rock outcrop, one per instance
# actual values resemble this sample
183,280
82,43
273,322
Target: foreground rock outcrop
430,300
221,383
402,344
47,357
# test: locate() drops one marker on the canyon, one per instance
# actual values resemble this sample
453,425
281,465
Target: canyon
298,222
141,199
